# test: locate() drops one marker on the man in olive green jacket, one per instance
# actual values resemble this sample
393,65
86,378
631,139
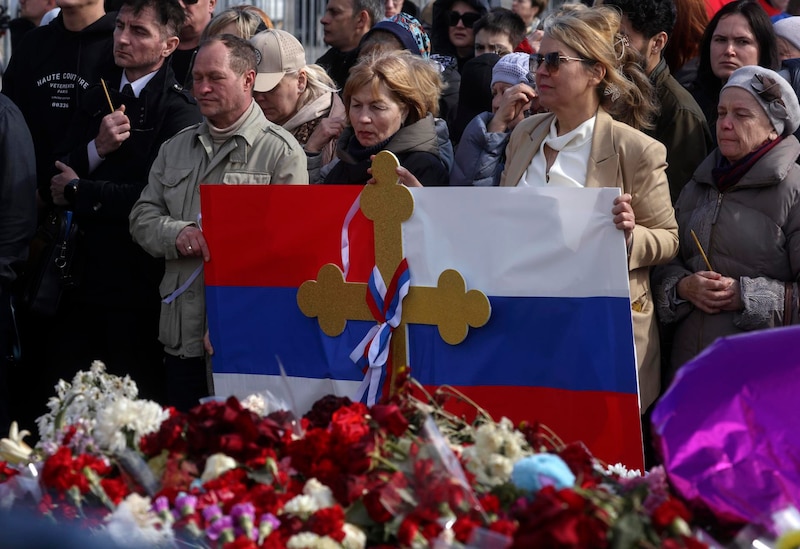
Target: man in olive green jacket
235,145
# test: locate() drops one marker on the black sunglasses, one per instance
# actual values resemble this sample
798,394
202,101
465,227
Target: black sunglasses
552,60
190,2
469,18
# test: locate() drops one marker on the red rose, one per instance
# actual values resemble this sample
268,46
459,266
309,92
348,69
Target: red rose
407,532
669,511
463,528
328,522
115,488
390,417
561,519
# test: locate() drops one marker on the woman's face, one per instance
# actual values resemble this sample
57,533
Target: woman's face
280,103
375,118
742,125
733,45
570,86
461,35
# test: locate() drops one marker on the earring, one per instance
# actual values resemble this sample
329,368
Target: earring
613,91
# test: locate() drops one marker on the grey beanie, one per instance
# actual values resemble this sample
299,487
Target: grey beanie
511,69
788,28
775,95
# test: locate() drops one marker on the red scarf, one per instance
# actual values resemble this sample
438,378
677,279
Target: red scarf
726,175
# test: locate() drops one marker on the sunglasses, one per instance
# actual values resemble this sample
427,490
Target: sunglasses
552,60
190,2
469,18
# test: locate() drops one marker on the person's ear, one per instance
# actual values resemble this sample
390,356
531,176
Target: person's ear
249,80
363,20
302,81
211,5
598,73
658,43
170,46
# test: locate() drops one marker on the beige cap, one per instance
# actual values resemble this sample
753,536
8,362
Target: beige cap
278,53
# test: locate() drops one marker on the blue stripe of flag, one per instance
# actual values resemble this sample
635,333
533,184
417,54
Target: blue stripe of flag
561,343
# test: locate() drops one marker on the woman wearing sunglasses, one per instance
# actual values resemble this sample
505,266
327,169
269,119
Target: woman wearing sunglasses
451,31
597,94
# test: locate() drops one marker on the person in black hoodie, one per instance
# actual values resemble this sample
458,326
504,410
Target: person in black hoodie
451,28
49,74
113,313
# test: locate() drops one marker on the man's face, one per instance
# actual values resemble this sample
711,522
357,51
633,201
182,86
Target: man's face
197,17
338,25
492,42
222,95
140,43
34,10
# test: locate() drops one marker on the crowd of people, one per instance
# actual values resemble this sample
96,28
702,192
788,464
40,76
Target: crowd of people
109,121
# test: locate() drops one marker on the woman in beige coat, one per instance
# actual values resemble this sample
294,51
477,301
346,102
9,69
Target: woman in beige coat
584,141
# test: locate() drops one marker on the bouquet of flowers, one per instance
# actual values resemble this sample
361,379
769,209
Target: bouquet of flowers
402,473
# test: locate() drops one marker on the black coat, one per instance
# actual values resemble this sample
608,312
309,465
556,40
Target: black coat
114,265
47,77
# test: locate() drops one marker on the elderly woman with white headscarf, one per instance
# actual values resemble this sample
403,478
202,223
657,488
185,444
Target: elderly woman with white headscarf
743,204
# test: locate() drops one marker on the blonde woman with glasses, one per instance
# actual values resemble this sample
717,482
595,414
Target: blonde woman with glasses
588,77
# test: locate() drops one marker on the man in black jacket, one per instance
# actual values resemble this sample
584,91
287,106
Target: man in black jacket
52,69
344,24
113,313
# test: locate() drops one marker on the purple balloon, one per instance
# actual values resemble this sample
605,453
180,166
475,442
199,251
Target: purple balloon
728,428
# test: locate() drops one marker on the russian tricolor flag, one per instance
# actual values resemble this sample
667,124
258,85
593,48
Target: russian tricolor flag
558,347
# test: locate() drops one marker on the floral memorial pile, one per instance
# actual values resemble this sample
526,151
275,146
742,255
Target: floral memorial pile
402,473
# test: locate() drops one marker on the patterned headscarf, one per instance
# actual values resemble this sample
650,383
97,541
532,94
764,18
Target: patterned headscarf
409,31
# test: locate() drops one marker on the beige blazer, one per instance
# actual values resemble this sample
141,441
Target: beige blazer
626,158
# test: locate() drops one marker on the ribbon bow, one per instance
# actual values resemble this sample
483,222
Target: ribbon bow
386,305
770,92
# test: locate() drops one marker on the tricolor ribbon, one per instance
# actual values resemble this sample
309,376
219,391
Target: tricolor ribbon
386,305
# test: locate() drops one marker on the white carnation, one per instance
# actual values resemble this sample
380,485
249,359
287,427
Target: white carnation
302,506
321,494
354,537
256,404
216,465
134,524
310,540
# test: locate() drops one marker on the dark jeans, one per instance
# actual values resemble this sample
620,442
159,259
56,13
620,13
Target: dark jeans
187,381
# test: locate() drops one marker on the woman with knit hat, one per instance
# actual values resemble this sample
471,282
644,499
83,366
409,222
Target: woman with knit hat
743,203
480,156
787,31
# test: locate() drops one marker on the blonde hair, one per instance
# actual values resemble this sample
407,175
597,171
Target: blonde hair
318,83
248,21
625,91
412,81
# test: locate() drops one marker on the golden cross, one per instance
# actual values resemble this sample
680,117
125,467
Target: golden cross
449,305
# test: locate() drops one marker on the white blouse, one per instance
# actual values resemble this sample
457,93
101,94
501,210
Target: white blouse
571,162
